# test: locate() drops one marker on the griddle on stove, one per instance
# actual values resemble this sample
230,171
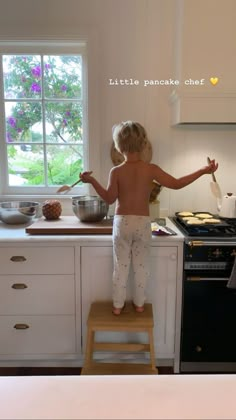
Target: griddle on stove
227,227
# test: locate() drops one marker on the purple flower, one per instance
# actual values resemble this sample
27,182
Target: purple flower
47,66
68,113
35,87
36,71
9,138
64,121
63,87
12,122
19,130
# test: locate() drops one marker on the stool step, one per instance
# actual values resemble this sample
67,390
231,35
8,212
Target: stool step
118,369
101,315
132,347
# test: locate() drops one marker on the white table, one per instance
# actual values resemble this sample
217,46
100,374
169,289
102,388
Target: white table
118,397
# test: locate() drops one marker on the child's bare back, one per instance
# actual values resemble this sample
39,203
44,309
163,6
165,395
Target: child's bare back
134,181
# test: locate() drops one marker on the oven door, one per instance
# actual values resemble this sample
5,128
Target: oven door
208,339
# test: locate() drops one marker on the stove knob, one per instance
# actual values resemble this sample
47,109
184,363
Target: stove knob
198,349
217,253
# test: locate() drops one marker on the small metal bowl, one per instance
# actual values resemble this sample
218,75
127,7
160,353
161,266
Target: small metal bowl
19,212
89,208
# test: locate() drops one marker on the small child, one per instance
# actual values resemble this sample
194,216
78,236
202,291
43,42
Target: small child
130,185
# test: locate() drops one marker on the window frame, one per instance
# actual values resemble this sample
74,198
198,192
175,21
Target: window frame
68,47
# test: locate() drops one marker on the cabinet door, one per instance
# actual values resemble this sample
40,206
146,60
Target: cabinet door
97,266
161,292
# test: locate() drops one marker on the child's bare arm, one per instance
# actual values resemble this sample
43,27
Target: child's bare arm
169,181
108,194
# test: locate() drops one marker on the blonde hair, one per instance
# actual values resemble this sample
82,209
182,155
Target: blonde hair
129,137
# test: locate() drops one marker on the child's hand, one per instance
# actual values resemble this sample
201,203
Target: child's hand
212,167
86,176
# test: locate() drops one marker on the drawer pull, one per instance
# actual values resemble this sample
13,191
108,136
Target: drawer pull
18,258
19,286
21,326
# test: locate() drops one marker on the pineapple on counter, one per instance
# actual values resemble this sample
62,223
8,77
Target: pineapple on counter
52,209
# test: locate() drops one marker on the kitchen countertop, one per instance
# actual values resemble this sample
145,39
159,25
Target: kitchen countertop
118,397
16,233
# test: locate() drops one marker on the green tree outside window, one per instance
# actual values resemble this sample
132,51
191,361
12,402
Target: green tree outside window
43,118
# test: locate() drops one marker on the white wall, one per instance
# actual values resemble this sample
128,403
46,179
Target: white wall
132,39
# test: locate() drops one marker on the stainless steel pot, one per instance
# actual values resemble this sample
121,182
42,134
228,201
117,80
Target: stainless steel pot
89,208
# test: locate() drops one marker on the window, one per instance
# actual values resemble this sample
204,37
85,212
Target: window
44,118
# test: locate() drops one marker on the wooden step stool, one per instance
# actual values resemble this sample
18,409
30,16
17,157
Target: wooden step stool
101,318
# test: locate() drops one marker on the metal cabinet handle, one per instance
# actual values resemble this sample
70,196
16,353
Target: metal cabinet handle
19,286
18,258
21,326
198,349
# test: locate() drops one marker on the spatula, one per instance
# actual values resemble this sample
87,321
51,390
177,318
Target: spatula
215,188
66,188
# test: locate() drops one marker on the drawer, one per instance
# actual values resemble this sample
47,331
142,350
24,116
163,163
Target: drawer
37,295
37,260
42,335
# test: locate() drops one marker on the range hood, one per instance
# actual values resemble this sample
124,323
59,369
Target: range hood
202,108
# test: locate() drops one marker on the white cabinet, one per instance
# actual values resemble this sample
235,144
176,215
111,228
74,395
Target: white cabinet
161,292
204,63
96,278
37,301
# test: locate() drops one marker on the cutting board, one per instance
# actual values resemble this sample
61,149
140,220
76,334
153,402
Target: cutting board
69,225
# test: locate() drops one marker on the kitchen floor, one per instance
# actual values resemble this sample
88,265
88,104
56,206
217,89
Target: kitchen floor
34,371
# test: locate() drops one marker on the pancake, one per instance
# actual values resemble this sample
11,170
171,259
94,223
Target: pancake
190,218
212,220
195,222
185,214
203,215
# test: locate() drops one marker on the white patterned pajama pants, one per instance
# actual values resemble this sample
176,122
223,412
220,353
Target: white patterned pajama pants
131,242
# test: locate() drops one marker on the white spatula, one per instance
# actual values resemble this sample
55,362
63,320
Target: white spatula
215,188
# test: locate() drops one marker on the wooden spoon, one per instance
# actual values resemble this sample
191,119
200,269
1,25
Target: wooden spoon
67,188
215,188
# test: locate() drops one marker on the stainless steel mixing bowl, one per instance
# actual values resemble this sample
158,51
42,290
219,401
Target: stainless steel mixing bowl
89,208
19,212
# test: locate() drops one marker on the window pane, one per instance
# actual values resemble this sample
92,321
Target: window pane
64,122
22,76
62,76
25,163
43,110
23,122
64,164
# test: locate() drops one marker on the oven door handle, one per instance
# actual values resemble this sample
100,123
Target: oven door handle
198,278
210,243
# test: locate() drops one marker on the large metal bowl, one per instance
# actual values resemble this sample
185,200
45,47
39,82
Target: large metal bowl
89,208
19,212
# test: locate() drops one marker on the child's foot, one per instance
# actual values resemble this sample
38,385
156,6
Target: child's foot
117,311
138,309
